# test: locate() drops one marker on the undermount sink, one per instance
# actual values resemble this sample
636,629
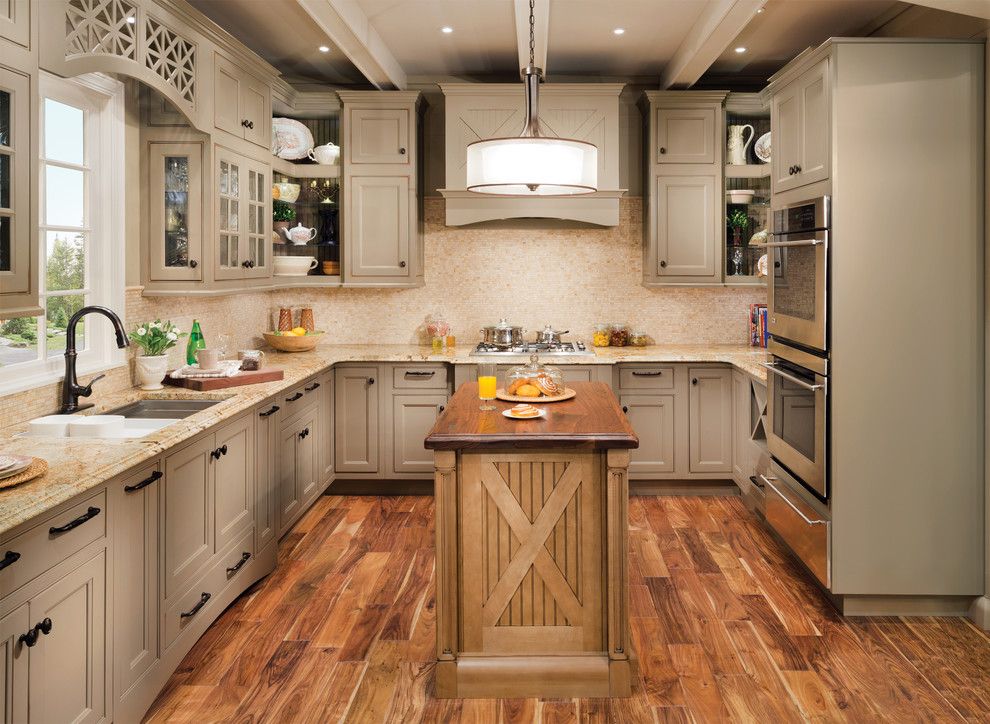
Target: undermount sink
135,420
162,409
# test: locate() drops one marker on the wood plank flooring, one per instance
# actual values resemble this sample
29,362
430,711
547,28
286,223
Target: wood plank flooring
727,629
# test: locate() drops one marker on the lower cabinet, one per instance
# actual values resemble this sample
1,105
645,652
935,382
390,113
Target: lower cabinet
710,415
234,473
325,401
652,417
356,408
266,437
412,418
14,665
298,466
187,500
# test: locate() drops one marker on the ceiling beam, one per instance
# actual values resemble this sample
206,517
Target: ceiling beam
541,13
974,8
350,30
714,30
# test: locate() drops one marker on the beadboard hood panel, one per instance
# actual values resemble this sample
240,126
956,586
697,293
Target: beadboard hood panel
582,111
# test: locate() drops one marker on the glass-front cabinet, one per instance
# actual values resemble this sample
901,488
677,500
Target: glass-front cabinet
176,211
243,229
17,255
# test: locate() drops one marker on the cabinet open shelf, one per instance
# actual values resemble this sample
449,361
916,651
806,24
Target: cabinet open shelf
749,170
304,170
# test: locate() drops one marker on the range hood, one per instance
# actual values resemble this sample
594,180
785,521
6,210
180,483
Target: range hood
583,111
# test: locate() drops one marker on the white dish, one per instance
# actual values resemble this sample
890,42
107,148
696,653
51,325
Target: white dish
508,413
740,196
761,149
291,140
97,426
14,464
49,426
294,266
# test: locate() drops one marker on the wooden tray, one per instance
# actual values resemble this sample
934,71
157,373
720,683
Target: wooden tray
244,377
567,394
38,467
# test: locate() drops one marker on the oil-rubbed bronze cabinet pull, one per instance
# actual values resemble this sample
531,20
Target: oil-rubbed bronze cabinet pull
245,557
694,381
662,150
9,559
651,373
420,373
269,413
156,475
625,408
402,152
294,397
90,513
193,263
314,386
203,598
30,638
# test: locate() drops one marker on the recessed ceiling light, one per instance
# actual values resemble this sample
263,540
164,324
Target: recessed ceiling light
619,31
759,11
740,49
324,49
446,29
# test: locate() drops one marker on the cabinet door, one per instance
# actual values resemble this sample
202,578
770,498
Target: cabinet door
356,434
255,105
15,22
685,226
710,420
17,254
685,135
307,457
652,418
785,118
378,225
256,256
227,114
412,418
234,476
266,448
740,425
187,513
14,666
326,428
814,93
175,219
66,668
229,217
135,576
289,502
379,135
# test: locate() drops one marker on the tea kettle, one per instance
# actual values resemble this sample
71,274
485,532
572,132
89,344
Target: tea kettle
299,234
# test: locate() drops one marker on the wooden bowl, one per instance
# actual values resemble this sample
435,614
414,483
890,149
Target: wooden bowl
285,343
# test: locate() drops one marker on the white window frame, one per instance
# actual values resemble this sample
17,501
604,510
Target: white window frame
102,100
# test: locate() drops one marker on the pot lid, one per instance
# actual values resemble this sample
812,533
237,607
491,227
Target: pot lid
502,324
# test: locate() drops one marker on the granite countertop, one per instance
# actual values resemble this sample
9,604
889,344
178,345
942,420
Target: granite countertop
75,466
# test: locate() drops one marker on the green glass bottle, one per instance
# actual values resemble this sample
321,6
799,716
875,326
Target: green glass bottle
196,342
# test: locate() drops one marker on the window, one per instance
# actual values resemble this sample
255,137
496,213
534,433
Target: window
80,232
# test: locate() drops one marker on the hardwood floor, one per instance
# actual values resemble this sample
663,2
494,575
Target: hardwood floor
726,627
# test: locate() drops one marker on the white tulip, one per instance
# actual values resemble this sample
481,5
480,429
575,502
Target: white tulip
141,331
156,325
172,336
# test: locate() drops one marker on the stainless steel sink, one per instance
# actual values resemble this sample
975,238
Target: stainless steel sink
162,409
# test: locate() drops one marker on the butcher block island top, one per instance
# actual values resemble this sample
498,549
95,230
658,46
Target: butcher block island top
590,420
531,540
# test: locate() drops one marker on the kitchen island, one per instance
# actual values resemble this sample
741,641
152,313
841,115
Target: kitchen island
531,540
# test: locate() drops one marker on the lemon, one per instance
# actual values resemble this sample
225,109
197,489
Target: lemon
299,331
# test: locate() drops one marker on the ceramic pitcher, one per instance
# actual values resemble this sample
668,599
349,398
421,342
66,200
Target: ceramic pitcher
736,149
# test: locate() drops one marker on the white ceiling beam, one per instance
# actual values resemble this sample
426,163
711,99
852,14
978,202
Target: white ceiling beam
541,13
974,8
350,30
715,29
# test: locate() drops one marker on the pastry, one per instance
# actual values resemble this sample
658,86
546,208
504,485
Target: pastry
516,384
525,410
547,385
528,390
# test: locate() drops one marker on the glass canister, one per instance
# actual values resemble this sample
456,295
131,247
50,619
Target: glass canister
639,339
600,335
534,380
618,335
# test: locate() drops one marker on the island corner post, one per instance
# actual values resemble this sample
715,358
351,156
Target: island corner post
532,589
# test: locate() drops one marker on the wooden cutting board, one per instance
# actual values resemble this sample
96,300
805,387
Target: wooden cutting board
244,377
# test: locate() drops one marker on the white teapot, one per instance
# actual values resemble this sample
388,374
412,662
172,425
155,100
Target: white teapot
299,234
326,154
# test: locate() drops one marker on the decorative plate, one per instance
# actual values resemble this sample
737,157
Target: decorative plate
567,394
761,149
291,140
761,266
508,413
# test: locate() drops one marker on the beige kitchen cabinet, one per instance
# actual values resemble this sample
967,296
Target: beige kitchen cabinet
799,115
15,26
134,500
379,136
175,211
685,135
652,417
326,426
67,665
684,182
14,666
412,418
187,501
18,250
298,464
685,212
710,415
234,471
241,103
266,446
378,215
356,419
242,220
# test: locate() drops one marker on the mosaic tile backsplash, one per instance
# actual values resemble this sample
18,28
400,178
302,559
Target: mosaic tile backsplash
530,272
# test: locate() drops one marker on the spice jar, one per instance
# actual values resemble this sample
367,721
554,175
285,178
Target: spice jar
618,335
600,336
639,339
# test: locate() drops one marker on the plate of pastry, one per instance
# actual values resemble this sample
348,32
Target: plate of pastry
524,411
540,387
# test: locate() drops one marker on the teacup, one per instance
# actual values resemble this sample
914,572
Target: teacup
326,154
208,359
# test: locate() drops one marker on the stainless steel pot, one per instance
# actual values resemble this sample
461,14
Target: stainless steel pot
502,335
549,335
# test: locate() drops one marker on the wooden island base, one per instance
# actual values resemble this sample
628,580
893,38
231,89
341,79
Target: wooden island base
532,589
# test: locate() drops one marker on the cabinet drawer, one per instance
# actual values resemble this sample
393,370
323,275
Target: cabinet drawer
298,398
411,377
36,550
807,532
224,571
646,378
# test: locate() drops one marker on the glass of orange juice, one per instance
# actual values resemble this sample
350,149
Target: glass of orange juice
487,384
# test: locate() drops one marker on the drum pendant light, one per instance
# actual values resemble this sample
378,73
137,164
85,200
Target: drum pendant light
532,164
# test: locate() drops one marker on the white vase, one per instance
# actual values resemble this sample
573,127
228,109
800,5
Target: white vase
151,371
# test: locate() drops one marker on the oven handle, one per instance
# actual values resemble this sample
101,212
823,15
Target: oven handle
791,505
772,367
801,242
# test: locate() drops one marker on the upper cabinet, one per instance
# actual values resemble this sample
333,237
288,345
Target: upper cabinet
241,103
175,211
15,24
382,240
243,190
800,121
685,135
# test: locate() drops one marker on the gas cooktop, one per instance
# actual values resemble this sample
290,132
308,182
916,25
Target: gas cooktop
562,349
